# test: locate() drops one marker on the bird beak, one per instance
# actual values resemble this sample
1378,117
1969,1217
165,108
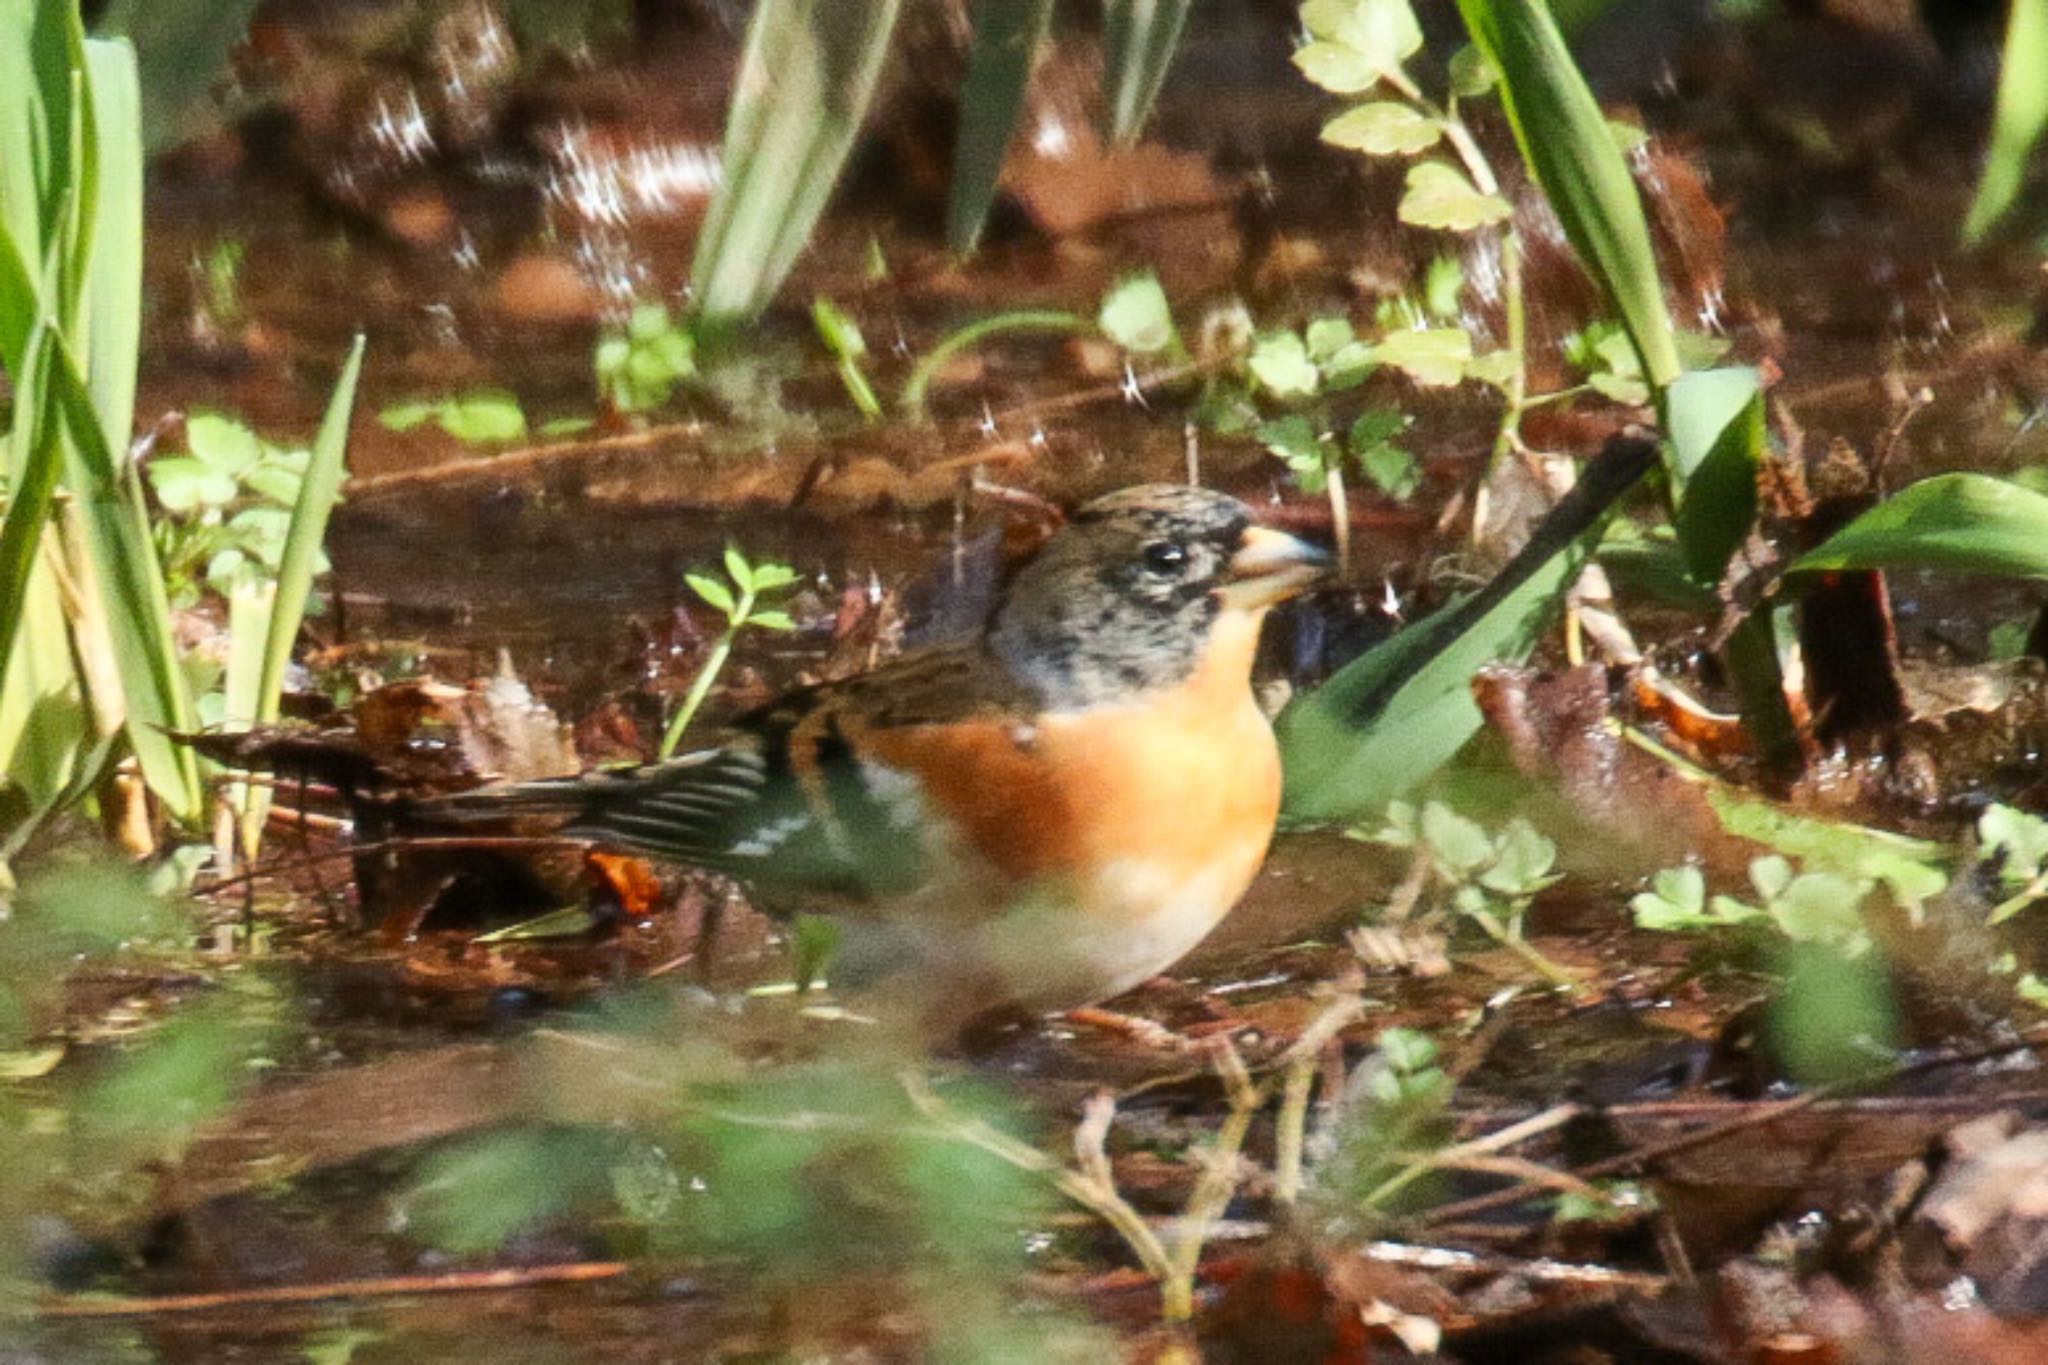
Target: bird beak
1270,566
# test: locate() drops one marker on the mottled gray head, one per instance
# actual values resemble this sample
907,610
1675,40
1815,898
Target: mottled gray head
1122,598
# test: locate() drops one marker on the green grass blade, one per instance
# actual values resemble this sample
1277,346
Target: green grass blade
1007,36
806,78
37,114
98,408
911,400
1715,419
108,508
110,314
2020,120
1394,716
252,610
33,486
1963,523
1568,147
1141,38
318,492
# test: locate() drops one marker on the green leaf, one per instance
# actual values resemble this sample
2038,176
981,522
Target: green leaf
1683,888
1383,32
1328,337
302,558
1716,423
1909,868
1407,1050
1392,470
769,577
1442,283
1007,37
1566,144
647,323
1434,357
37,434
1966,523
1823,907
1337,67
1627,136
1136,316
485,417
1279,361
1375,427
1140,37
221,443
807,73
1833,1018
1392,717
737,567
1472,75
1458,843
839,332
771,620
408,415
2019,120
712,591
1522,861
184,484
611,355
1294,439
274,482
1383,128
1497,368
571,921
2019,840
1439,195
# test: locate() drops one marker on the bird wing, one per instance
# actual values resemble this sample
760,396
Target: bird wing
793,800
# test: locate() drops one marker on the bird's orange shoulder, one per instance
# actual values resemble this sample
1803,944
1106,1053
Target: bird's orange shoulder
1176,774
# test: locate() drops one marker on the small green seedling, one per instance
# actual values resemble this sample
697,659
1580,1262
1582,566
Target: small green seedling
481,417
227,507
1300,370
1823,907
2016,844
841,335
1392,1125
1487,878
639,365
220,274
1135,315
738,596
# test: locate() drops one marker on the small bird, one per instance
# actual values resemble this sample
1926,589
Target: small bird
1037,818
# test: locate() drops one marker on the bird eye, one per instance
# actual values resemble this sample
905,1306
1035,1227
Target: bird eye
1164,557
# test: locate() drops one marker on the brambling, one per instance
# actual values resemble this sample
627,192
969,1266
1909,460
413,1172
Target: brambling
1038,818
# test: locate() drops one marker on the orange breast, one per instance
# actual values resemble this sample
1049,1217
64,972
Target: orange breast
1181,784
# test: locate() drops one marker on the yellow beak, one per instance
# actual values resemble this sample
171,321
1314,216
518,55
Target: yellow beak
1270,566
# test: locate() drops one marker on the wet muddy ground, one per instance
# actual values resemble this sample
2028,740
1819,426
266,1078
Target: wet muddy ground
1808,210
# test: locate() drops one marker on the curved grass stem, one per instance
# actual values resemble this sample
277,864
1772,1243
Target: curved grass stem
911,400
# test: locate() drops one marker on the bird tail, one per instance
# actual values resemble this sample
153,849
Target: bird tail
682,808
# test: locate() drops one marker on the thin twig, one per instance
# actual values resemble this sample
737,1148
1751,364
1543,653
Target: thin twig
458,1281
1753,1116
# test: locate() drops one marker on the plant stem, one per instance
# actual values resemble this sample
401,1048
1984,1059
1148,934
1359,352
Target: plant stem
1522,948
1219,1181
858,389
2021,899
1340,515
1291,1132
706,676
1024,320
